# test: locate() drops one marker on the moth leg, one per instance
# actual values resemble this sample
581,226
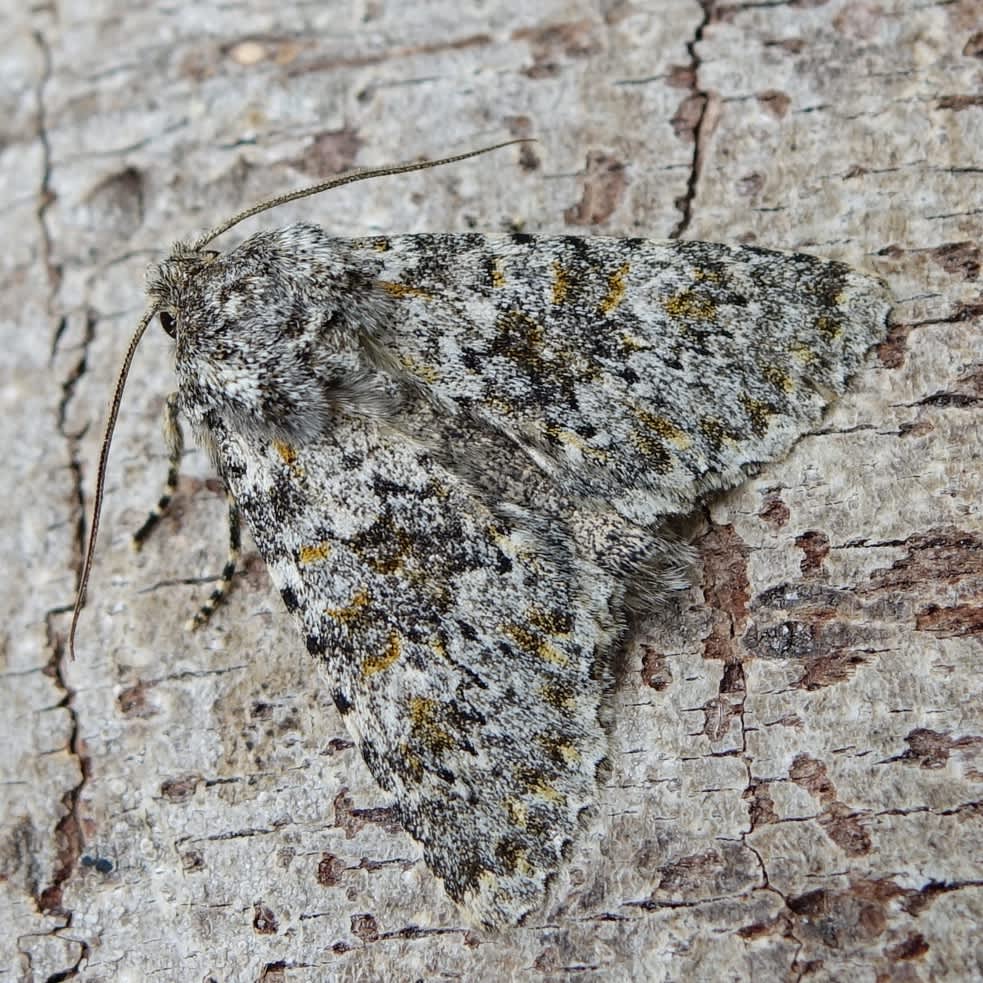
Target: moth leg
228,571
174,441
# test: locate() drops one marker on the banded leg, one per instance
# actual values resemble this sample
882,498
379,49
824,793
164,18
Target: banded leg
174,441
228,571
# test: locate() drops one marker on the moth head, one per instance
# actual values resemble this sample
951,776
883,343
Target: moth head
184,261
268,337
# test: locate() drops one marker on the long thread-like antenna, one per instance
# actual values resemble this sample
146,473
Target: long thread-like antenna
101,472
203,241
337,182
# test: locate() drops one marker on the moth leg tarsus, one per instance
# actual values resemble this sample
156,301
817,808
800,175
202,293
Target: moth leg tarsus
174,439
228,571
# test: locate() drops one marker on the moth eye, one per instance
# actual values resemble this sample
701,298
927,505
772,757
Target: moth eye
168,323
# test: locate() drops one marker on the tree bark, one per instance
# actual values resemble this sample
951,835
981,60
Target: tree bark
796,784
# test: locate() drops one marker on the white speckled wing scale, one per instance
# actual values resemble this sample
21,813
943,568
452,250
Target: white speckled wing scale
461,651
643,373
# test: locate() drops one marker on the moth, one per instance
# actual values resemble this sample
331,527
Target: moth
460,454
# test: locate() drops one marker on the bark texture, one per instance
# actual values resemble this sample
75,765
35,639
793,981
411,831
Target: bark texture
796,786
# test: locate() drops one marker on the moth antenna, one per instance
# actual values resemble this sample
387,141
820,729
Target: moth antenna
348,178
101,473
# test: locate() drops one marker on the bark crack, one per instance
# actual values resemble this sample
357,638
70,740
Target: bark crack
685,202
68,835
45,195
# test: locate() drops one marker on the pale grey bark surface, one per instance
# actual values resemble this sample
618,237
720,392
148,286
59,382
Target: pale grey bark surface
796,789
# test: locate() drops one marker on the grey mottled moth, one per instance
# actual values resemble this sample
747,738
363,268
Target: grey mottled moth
458,453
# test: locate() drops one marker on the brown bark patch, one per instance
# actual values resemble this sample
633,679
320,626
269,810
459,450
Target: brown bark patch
353,820
973,48
689,872
931,749
877,889
552,43
828,670
761,806
815,546
329,870
750,184
604,187
837,920
132,701
264,921
951,622
892,350
68,848
687,117
331,152
681,77
656,671
717,717
946,556
181,788
915,902
792,45
959,102
831,648
758,930
960,259
912,947
522,126
810,773
775,102
726,590
733,680
365,927
192,861
844,828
